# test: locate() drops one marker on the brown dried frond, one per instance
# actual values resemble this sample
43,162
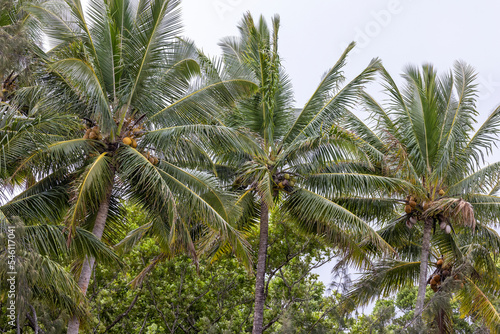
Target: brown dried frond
459,209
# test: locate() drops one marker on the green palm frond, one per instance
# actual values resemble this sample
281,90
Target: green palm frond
486,207
311,207
51,241
481,181
59,154
59,30
334,107
459,116
356,184
90,190
477,302
382,280
85,83
321,150
132,238
482,141
162,182
214,137
45,200
157,23
331,80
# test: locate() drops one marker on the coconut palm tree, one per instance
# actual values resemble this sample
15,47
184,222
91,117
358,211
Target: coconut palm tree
426,134
464,271
290,156
30,208
142,96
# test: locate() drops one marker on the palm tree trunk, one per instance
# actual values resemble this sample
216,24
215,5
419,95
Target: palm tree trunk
424,262
260,298
88,263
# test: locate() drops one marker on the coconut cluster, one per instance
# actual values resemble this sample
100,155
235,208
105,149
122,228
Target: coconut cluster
154,160
8,86
93,133
131,132
443,271
283,181
444,224
415,208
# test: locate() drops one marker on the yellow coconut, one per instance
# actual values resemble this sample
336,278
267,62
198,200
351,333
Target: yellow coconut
407,209
127,141
92,135
441,192
134,143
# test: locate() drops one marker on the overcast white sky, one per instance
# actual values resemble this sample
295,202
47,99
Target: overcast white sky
315,32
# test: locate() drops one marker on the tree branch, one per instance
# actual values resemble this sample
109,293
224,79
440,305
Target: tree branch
124,314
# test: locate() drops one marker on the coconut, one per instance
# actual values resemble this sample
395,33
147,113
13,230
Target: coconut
291,183
437,278
413,204
152,160
446,273
92,135
85,136
439,262
134,143
441,192
99,136
281,185
287,176
448,229
127,140
407,208
433,282
426,206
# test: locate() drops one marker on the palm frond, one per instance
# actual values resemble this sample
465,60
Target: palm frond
311,207
90,190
